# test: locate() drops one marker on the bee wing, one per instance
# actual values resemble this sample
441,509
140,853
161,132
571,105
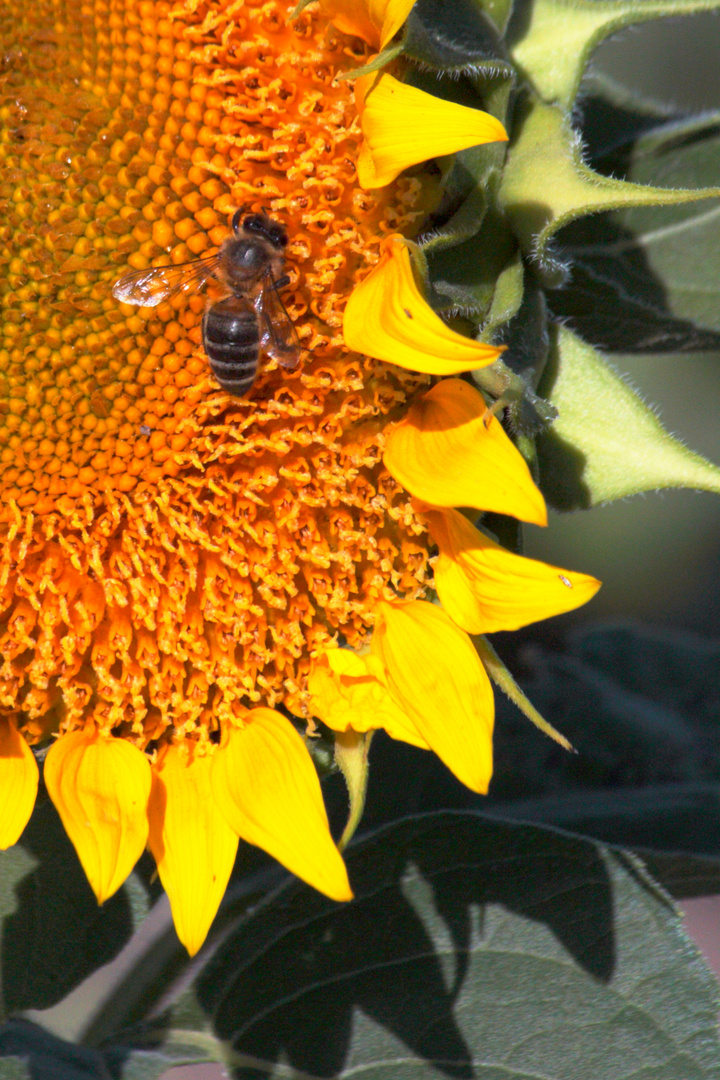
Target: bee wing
148,288
278,334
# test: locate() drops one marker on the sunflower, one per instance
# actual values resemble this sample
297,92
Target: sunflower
179,566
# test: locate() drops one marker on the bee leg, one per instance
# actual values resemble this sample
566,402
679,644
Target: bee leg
282,282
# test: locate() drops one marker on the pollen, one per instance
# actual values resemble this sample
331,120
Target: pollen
171,554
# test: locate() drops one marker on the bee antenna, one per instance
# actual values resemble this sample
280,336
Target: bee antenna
237,217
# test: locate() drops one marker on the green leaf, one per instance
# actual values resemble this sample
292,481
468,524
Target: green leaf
153,1049
684,876
53,933
551,41
29,1053
664,817
473,948
647,279
546,185
142,1013
613,118
640,706
606,443
628,732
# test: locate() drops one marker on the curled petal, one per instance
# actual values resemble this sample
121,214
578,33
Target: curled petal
403,126
100,787
375,21
434,673
388,317
192,844
18,783
446,453
485,588
347,693
265,783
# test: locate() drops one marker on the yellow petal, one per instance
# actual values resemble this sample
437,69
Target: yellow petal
346,694
403,126
100,787
193,845
375,21
434,673
447,454
265,783
388,317
485,588
18,783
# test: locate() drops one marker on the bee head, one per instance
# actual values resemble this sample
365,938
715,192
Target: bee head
260,225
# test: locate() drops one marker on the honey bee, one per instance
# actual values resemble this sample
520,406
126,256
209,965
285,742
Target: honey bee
249,267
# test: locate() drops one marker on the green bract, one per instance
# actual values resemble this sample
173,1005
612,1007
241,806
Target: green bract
542,242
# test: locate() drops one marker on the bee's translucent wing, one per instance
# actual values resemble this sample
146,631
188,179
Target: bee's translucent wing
279,336
148,288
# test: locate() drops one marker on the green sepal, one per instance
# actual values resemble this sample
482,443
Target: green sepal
388,54
463,224
465,252
502,678
606,442
453,38
512,379
496,87
546,185
634,288
526,334
500,11
465,275
351,758
507,298
551,41
469,248
471,176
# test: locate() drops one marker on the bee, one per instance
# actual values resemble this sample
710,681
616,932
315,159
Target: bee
249,267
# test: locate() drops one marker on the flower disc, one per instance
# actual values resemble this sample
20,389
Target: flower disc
172,553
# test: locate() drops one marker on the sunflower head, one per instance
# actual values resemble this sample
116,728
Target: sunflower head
173,553
185,567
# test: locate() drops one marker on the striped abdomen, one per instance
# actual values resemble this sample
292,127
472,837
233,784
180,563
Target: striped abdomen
232,342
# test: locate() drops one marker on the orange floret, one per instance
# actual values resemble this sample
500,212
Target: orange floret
171,554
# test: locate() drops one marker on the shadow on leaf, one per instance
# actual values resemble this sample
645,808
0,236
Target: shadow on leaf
298,980
57,935
614,299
